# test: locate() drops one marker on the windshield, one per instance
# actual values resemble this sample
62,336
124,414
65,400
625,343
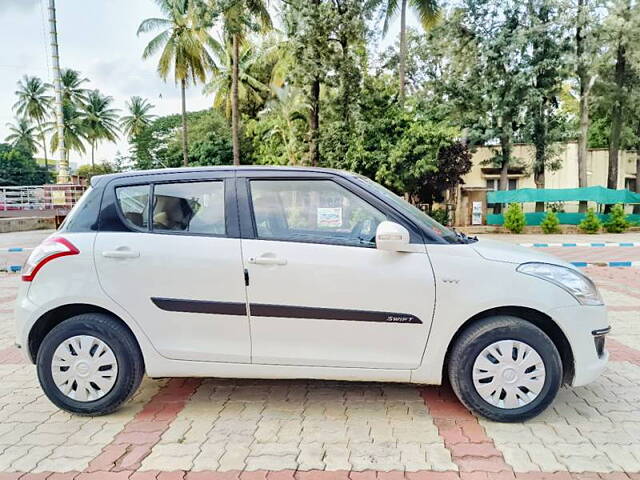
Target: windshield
414,213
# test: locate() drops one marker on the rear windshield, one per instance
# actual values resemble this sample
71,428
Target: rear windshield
410,211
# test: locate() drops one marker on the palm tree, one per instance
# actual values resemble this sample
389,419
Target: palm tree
239,16
23,135
74,128
139,117
183,40
221,84
72,89
101,121
290,108
34,104
427,11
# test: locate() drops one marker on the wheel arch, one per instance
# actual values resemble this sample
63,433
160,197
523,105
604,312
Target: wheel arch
541,320
54,317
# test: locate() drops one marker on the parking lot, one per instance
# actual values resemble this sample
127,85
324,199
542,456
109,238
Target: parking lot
248,429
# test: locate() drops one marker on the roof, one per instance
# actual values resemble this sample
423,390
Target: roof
158,171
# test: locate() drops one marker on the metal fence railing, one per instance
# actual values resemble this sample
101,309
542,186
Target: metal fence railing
40,197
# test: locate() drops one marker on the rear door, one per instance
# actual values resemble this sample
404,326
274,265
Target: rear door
168,252
319,291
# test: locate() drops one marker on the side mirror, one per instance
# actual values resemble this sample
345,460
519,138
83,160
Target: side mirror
392,237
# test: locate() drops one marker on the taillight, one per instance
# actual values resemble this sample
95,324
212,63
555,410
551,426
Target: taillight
48,250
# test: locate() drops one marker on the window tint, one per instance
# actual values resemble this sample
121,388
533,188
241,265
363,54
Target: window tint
134,203
318,211
196,207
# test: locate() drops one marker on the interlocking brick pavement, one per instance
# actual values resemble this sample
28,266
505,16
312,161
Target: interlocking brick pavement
214,429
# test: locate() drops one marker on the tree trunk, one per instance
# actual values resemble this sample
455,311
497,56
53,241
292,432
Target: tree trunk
585,87
314,124
505,150
235,114
93,147
540,140
185,142
44,145
616,119
403,50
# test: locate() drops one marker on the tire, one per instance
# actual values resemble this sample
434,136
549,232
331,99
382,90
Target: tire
508,403
118,368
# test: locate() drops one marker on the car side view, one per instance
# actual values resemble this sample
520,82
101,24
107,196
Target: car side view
282,272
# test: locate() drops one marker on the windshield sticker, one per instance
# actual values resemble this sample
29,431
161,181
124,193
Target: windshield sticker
330,217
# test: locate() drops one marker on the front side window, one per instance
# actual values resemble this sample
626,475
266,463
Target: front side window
134,204
196,207
316,211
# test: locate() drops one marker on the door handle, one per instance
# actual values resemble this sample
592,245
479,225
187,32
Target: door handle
268,259
121,252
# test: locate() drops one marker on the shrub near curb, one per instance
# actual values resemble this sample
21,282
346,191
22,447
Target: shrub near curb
590,223
617,222
550,223
514,219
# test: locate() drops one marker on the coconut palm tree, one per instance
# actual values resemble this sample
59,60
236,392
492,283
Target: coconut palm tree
100,120
239,17
34,103
23,135
72,89
74,128
183,42
290,109
428,13
139,117
221,84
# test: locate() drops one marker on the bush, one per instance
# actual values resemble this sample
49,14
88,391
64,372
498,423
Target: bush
617,221
440,215
590,223
550,223
514,219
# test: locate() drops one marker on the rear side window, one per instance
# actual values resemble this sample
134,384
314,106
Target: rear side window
196,207
134,205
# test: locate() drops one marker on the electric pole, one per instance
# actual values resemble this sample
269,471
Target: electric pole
63,163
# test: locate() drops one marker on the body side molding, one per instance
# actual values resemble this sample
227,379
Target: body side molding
282,311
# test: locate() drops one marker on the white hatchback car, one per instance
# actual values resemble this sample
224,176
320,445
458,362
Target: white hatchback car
295,273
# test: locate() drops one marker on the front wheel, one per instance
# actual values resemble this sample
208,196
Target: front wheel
505,368
89,364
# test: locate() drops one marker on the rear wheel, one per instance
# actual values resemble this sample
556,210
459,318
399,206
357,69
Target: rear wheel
89,364
506,369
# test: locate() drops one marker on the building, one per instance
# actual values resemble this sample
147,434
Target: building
484,177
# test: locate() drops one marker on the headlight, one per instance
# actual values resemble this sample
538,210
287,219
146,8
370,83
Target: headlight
573,282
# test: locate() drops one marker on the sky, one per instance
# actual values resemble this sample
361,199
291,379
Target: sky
98,38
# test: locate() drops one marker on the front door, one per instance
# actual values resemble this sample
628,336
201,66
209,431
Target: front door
320,293
174,264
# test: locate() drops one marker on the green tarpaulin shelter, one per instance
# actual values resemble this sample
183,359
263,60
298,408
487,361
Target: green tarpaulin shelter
591,194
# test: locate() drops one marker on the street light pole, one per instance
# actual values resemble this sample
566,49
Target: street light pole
63,163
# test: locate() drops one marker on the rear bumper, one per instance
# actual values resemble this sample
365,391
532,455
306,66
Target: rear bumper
25,314
585,328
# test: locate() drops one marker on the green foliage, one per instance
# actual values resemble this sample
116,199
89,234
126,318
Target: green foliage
440,215
18,167
89,171
617,221
590,223
514,219
160,144
550,223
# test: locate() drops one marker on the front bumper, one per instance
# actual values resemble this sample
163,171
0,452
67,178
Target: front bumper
585,328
